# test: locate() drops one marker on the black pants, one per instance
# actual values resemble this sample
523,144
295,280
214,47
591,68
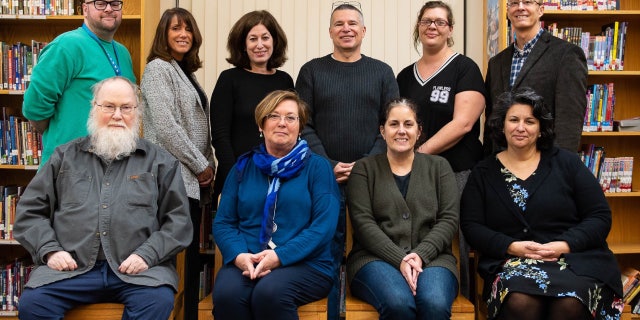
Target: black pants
192,265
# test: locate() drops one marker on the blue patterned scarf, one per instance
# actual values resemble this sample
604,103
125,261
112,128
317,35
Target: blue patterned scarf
280,169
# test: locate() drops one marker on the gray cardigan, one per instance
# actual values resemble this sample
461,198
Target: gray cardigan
174,118
388,227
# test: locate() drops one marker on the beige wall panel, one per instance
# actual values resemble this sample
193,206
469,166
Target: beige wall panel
306,22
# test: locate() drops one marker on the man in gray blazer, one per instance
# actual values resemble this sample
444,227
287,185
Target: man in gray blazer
554,68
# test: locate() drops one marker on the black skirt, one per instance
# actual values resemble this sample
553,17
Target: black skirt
552,279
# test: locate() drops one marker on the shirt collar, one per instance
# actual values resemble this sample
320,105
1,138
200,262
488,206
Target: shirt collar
529,45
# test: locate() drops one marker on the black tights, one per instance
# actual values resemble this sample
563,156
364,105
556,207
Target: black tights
530,307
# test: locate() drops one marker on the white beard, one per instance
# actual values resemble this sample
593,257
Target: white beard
112,143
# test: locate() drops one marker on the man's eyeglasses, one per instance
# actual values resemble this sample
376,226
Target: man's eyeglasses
438,23
526,3
354,4
101,4
274,117
107,108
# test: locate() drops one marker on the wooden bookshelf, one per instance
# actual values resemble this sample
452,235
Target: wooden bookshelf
624,237
139,21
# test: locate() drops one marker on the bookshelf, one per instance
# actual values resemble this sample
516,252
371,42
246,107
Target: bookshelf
139,21
624,238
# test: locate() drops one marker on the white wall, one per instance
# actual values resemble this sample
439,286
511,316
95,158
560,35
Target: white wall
306,22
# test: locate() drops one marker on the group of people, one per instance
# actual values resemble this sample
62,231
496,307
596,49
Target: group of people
108,210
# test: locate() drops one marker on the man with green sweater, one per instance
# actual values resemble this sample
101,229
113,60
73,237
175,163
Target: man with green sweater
346,92
57,101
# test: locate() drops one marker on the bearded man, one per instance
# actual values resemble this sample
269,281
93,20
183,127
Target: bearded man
104,218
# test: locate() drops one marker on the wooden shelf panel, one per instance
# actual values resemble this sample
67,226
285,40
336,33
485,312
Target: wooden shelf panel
17,167
625,248
9,242
57,18
595,14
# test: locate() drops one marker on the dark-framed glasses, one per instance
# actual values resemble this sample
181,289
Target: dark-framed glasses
289,118
438,22
526,3
109,108
354,4
101,4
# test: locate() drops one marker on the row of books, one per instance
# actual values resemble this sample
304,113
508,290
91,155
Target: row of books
17,63
20,143
599,114
41,7
630,278
9,196
13,277
604,51
206,281
615,174
581,5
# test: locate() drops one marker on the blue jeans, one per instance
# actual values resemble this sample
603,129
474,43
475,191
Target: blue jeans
383,286
274,296
100,284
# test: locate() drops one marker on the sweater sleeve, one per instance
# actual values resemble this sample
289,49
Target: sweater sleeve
388,91
305,87
50,77
161,112
365,228
592,230
439,238
222,105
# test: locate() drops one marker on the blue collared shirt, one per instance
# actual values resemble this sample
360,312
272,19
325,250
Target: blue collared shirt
520,56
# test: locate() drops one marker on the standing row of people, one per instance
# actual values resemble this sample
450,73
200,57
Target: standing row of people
288,165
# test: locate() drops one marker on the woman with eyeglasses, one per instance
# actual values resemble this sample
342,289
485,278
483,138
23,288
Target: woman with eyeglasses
277,215
257,46
449,90
176,116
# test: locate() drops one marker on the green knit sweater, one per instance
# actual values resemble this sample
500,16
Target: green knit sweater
387,226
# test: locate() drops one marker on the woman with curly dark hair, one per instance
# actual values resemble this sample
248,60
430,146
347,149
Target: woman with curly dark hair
539,220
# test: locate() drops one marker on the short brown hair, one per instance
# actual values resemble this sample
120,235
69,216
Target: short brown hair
160,46
271,102
236,43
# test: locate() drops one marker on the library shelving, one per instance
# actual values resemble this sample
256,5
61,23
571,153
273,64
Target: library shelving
136,32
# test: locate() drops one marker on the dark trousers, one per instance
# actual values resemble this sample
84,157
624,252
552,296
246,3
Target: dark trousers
274,296
192,264
337,250
100,284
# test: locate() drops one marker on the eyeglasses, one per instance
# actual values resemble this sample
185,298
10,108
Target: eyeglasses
274,117
107,108
526,3
438,23
354,4
101,4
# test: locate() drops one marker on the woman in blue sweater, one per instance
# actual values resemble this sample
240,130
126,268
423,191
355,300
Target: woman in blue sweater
277,215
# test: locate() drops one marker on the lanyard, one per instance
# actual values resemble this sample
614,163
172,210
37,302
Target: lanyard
115,64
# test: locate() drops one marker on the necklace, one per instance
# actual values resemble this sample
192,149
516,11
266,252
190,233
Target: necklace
115,64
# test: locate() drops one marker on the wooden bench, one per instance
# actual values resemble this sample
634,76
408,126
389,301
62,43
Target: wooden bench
96,311
316,310
356,309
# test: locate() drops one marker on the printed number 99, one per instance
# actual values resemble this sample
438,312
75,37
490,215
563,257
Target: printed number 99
439,96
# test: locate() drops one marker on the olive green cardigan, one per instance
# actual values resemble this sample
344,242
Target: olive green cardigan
387,227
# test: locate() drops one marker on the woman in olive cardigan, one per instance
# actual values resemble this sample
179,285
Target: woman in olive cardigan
404,210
